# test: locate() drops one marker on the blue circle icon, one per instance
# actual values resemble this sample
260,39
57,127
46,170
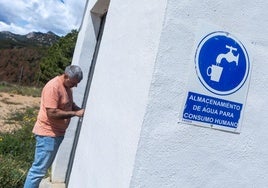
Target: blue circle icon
221,63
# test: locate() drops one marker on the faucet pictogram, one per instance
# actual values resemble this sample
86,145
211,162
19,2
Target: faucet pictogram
229,56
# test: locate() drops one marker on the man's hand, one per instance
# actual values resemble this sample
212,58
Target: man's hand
80,112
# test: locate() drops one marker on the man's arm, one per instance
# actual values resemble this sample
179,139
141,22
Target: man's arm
61,114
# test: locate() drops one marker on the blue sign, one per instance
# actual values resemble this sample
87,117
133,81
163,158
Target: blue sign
214,111
221,63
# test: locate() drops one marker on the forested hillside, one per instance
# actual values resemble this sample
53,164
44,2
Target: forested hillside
33,59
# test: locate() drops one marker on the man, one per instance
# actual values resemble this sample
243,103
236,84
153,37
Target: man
56,109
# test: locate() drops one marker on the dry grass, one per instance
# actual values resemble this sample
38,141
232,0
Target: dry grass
13,103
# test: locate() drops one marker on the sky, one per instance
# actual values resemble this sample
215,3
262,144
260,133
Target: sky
25,16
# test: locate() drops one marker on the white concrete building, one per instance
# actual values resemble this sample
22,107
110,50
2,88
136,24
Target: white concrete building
142,58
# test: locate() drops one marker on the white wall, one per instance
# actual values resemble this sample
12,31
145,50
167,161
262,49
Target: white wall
83,54
180,155
131,136
118,95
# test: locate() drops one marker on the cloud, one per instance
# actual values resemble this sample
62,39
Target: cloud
24,16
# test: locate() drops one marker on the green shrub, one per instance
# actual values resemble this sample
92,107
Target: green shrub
17,151
12,173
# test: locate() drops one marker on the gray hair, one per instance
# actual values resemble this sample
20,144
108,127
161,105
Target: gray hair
74,72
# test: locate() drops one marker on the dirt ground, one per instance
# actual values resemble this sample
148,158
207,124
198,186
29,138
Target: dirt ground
11,103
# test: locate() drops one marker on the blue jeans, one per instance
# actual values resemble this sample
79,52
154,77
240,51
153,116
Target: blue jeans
45,151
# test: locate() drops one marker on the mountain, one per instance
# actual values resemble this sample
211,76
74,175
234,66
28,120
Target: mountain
20,56
33,39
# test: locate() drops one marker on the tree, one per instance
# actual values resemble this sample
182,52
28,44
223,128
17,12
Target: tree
58,57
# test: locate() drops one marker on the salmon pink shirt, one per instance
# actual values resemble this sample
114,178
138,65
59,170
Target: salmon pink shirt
54,95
